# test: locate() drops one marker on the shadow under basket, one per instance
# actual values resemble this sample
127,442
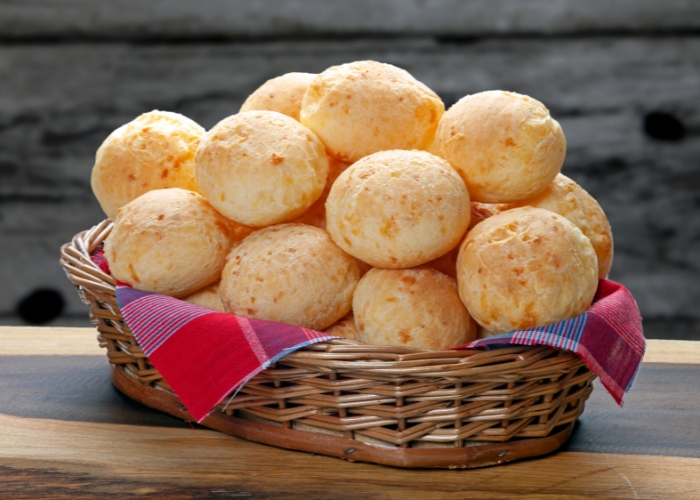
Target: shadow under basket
387,405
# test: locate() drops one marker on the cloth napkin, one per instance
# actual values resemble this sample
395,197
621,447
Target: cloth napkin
206,355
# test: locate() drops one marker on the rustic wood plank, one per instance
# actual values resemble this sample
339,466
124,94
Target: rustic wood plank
79,457
38,341
609,74
70,388
42,341
672,351
76,86
659,417
131,19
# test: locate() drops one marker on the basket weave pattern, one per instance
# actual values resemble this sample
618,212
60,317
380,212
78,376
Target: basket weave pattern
392,396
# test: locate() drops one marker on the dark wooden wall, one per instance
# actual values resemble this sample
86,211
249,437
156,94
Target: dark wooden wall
621,76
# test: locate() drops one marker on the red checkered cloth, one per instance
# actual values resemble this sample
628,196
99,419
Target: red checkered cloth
206,355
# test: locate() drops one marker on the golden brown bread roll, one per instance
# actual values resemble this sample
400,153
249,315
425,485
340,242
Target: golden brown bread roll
363,266
447,264
240,232
316,214
417,307
568,199
482,211
363,107
168,241
291,273
260,168
207,297
154,151
526,267
345,327
398,209
505,145
282,94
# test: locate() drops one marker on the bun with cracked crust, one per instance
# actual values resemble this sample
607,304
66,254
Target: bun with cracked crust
524,268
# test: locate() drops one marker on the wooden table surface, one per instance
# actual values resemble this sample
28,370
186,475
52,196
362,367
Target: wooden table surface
65,432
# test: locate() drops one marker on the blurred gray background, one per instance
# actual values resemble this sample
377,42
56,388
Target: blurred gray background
621,76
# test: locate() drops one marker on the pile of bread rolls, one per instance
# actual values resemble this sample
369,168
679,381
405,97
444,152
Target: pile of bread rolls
352,202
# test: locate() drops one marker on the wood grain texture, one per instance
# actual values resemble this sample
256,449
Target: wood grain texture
70,388
672,351
56,341
57,104
33,341
660,415
125,19
79,457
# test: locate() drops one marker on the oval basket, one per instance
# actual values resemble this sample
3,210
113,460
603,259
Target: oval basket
388,405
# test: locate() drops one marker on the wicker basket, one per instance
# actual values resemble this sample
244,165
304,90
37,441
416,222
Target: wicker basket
388,405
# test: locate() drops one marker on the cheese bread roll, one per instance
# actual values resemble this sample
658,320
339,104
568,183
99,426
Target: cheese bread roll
260,168
316,214
526,267
207,297
446,264
345,327
482,211
290,273
168,241
417,308
568,199
505,145
398,209
363,107
154,151
282,94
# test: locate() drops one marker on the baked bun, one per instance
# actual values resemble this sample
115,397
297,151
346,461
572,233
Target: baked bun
239,232
260,168
411,307
168,241
482,211
154,151
398,209
526,267
568,199
291,273
207,297
364,267
345,327
363,107
316,214
505,146
447,264
282,94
